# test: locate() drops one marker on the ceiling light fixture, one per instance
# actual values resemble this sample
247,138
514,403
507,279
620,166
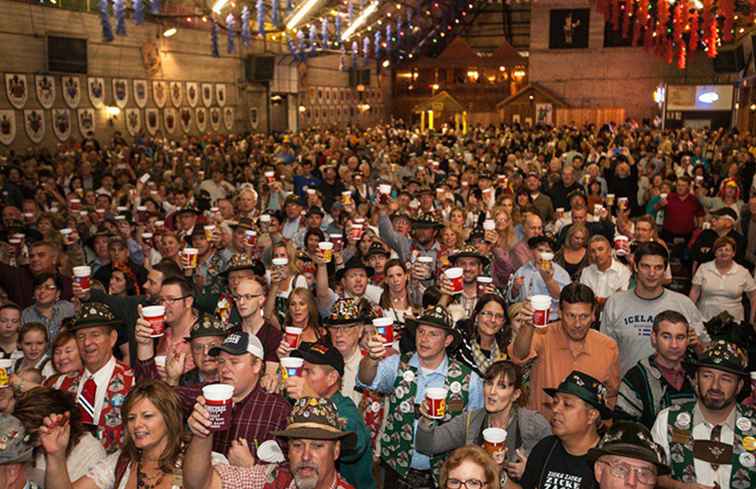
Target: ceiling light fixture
359,21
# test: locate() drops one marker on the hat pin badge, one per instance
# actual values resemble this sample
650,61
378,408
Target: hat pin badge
749,443
683,420
743,424
747,459
455,387
409,376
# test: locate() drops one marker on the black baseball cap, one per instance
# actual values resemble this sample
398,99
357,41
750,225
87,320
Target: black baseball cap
321,352
239,344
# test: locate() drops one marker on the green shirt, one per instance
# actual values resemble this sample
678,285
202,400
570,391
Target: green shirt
356,464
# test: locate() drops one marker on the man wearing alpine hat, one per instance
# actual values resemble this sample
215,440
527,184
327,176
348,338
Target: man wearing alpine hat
627,456
315,440
406,378
711,442
560,460
15,451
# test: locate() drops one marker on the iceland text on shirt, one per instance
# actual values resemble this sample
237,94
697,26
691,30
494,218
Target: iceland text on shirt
643,323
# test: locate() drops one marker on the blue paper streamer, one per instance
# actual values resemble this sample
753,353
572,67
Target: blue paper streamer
155,7
398,31
338,28
388,37
138,12
275,14
119,9
313,39
324,34
366,48
289,6
301,45
231,34
355,50
261,17
107,31
377,45
350,12
246,34
214,40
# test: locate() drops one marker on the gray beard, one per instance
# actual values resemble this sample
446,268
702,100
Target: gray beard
305,483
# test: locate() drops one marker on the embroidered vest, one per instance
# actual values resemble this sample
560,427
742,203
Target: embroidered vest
110,426
680,436
397,441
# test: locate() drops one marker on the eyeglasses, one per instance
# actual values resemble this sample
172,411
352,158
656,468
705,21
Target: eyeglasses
623,471
245,297
172,300
491,315
47,287
469,484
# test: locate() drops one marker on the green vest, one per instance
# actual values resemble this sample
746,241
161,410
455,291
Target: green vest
680,436
397,441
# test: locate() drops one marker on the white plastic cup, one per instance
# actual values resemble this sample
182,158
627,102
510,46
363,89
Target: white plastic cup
280,262
494,439
327,248
385,327
455,275
292,335
483,283
159,225
155,315
81,276
219,403
663,196
436,399
541,305
265,218
6,370
292,366
489,225
161,360
384,188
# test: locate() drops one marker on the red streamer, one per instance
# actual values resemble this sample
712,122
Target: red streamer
727,10
681,57
615,14
711,45
693,40
626,13
677,23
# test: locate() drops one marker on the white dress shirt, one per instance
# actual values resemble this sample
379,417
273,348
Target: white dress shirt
616,278
705,474
102,379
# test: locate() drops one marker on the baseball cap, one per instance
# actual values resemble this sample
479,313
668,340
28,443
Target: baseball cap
239,344
321,353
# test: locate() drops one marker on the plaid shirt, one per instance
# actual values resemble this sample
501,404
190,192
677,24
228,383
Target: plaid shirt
252,418
265,477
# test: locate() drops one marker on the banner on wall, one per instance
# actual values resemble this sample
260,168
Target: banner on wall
133,121
34,123
7,126
169,120
151,58
207,94
140,93
176,94
45,88
186,119
215,119
61,123
228,118
17,89
152,119
192,93
254,121
96,88
220,94
201,119
121,92
71,86
86,121
159,93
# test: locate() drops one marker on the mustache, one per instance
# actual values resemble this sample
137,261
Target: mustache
305,465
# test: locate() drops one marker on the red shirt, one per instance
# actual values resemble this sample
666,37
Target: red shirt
680,214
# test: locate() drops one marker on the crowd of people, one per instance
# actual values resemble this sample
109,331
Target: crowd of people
515,307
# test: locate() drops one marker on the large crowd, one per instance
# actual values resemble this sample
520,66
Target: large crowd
519,307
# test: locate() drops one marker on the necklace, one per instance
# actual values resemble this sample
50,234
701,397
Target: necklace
145,482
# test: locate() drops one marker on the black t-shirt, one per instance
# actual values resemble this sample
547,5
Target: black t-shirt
551,467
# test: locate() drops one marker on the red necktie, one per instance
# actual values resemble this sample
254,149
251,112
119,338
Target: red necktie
87,401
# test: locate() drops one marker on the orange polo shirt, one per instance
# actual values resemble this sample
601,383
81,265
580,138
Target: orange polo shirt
555,356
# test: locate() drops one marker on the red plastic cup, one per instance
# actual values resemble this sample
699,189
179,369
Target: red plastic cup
155,315
219,403
338,241
355,232
436,399
292,336
455,275
75,204
81,277
385,327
